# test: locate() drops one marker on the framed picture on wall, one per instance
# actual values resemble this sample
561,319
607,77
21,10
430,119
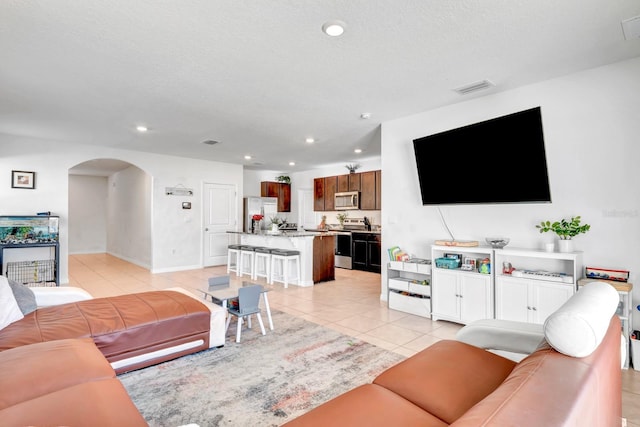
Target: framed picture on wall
22,179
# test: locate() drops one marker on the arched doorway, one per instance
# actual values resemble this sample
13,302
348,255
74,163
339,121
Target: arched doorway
110,210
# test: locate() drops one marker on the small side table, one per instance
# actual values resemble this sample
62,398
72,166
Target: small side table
625,309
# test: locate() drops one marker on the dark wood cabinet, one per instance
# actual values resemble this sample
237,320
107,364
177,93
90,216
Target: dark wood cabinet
330,186
318,194
280,190
324,258
367,252
343,183
354,182
378,190
368,191
367,183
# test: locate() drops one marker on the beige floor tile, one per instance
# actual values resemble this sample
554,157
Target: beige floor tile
361,323
421,343
394,334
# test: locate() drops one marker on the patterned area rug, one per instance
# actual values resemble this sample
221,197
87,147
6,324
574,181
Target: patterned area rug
262,381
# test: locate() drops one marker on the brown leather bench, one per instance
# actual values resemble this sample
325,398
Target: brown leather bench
132,331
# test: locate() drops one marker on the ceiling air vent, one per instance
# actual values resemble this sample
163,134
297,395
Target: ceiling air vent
473,87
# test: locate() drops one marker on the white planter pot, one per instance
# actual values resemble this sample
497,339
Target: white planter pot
565,246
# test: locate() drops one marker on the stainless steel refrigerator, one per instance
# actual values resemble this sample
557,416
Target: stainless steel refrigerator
265,206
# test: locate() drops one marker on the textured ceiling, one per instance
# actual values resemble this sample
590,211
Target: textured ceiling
260,76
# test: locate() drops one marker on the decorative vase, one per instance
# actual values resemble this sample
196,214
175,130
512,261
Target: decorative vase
255,226
565,245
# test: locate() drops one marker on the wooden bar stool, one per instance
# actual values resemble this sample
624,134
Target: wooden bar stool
247,255
282,262
262,263
233,259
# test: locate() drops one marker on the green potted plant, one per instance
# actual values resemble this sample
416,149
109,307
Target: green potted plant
565,230
341,217
284,179
353,167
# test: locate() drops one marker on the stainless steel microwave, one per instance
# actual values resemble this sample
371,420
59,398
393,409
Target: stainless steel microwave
347,200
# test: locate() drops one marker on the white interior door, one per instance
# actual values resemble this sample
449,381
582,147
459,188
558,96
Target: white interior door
220,216
306,215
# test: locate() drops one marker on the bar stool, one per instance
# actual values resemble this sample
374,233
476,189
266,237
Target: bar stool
245,266
281,260
262,263
233,252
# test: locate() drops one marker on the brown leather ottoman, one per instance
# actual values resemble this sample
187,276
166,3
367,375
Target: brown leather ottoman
132,331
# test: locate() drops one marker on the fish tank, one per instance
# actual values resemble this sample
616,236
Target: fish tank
28,229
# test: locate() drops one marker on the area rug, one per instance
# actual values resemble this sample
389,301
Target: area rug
262,381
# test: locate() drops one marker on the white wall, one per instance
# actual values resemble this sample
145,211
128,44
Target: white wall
129,216
87,214
171,227
591,126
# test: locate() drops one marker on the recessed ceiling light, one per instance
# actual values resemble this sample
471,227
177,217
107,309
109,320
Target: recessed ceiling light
333,28
309,140
247,157
365,116
357,150
141,128
292,163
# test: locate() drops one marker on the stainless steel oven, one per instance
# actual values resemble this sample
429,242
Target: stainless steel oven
343,250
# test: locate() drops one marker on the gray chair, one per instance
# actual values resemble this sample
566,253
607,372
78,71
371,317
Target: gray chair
248,304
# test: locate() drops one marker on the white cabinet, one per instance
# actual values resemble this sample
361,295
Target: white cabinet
461,296
409,287
534,299
526,300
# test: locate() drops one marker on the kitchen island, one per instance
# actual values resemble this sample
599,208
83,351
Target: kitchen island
316,251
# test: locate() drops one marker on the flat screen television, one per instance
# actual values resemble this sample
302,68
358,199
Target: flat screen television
501,160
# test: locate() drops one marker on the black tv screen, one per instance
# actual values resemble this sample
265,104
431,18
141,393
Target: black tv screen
501,160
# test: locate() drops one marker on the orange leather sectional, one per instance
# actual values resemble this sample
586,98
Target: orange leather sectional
455,384
63,383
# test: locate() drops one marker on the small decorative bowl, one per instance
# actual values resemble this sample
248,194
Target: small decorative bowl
498,242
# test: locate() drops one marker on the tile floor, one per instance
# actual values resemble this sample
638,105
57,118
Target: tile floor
350,304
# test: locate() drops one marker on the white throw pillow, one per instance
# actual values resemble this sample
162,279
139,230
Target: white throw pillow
578,327
9,310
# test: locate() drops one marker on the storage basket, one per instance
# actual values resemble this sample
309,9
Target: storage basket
35,273
446,263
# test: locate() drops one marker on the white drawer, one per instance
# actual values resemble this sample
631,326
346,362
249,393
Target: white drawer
396,265
416,288
410,266
424,268
412,305
399,284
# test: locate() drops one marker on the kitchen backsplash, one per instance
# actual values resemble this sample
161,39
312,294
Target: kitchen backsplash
373,216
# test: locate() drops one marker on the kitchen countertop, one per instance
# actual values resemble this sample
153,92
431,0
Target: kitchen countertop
293,233
344,231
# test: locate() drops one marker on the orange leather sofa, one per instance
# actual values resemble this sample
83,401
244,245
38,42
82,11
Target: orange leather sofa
63,383
453,383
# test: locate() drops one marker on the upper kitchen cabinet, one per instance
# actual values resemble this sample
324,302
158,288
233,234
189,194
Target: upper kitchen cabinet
367,183
318,194
354,181
330,187
370,193
343,183
280,190
378,190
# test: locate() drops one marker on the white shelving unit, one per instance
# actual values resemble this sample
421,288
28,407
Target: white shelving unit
462,296
409,287
531,299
